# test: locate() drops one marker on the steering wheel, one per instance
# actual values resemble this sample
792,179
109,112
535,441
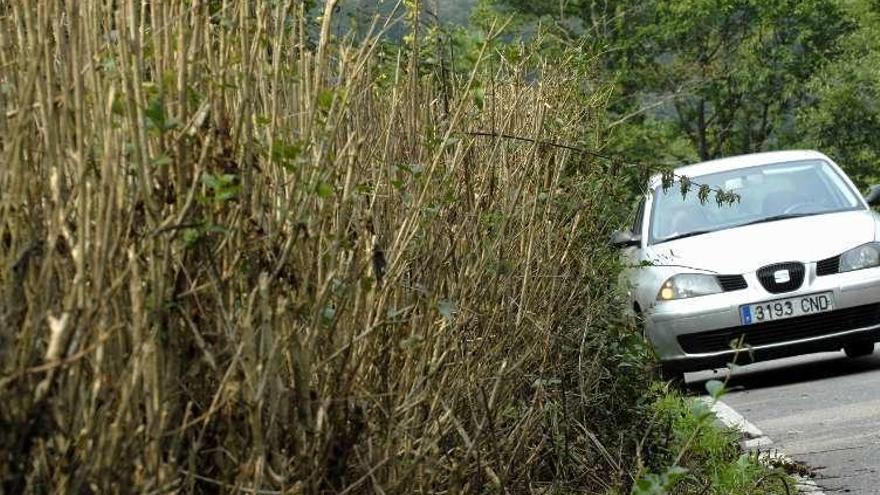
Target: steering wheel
795,207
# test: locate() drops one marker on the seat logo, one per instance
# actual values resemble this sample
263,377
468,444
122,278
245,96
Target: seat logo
781,276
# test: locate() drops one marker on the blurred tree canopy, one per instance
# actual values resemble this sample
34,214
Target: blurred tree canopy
701,79
843,114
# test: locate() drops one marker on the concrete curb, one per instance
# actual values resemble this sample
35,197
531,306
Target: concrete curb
754,439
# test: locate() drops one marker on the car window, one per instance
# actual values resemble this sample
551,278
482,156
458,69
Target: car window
807,187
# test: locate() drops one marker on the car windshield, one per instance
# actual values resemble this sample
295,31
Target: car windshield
766,193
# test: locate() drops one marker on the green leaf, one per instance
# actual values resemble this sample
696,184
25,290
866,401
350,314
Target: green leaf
659,484
108,64
703,193
286,154
479,97
448,310
156,118
685,184
161,161
226,194
715,388
155,113
282,150
700,410
223,187
117,107
649,485
667,178
325,99
191,237
210,180
328,313
324,190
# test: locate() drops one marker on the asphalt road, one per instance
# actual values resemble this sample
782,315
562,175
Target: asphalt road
821,409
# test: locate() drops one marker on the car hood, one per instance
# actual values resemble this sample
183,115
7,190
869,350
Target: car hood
745,249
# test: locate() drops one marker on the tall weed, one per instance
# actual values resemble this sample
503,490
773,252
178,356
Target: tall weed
242,255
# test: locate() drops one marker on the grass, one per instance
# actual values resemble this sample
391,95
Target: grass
692,454
242,255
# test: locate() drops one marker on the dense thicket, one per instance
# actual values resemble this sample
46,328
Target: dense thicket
241,255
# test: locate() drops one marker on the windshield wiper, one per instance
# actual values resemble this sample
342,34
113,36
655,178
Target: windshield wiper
776,217
686,234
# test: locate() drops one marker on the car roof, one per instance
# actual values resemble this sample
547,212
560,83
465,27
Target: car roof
742,161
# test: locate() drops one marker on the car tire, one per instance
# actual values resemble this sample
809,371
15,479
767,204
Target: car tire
859,349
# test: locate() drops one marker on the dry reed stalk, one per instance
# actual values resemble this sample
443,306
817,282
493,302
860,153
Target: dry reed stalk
239,259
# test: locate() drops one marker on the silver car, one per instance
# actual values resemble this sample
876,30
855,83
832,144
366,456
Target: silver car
793,267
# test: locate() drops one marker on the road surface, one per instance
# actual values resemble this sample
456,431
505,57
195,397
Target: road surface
821,409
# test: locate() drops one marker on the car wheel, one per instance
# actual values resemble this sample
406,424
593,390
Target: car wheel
858,349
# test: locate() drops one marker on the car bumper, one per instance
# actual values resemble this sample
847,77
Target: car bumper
699,321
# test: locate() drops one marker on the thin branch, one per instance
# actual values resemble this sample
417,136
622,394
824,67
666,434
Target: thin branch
721,194
538,141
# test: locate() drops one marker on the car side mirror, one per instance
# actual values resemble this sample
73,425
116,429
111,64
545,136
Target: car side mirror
873,196
625,238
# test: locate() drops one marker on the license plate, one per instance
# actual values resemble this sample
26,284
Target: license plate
791,307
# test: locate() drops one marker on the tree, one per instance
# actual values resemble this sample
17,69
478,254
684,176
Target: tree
843,117
745,64
726,75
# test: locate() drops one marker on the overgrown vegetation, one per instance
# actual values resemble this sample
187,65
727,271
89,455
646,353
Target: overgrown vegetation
697,456
239,258
701,79
243,252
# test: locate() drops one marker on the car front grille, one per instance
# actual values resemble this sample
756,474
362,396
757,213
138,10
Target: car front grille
766,275
732,282
787,330
828,266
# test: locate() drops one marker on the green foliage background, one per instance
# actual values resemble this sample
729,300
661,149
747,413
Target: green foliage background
702,79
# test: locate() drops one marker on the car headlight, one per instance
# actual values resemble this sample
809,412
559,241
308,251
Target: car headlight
864,256
688,285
